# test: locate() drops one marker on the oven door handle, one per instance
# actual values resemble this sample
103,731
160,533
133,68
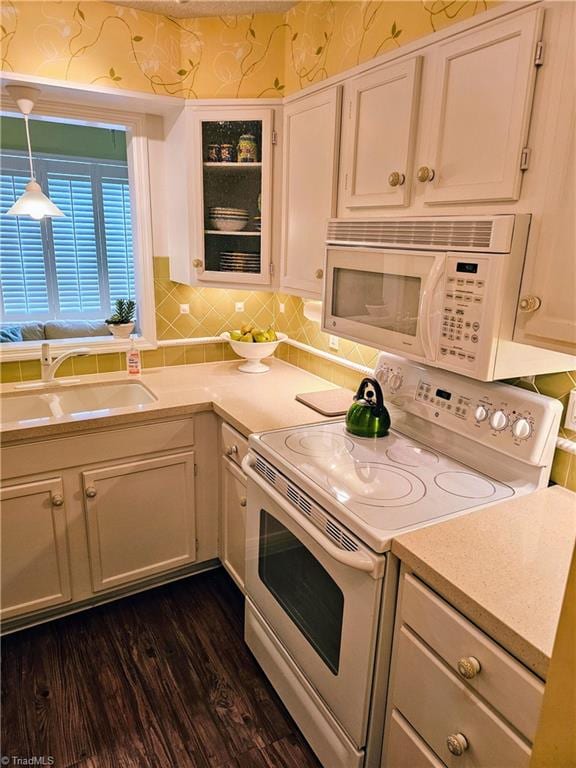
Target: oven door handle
437,271
358,560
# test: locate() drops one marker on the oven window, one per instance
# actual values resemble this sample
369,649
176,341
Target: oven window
384,301
303,587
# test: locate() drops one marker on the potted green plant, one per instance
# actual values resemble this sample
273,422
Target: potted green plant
121,323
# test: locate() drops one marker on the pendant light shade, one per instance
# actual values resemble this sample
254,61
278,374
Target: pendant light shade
33,202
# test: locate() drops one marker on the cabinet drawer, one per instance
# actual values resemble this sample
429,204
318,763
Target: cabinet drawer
438,705
505,683
234,445
405,748
104,444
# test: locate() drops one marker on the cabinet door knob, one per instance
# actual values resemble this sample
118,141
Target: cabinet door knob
231,450
197,263
457,744
319,274
57,499
243,501
91,491
425,173
529,303
396,179
468,667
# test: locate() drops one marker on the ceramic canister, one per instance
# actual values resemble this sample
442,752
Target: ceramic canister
247,149
227,153
213,153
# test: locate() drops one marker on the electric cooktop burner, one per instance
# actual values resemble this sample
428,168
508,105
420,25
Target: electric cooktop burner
412,455
371,483
318,443
387,483
465,484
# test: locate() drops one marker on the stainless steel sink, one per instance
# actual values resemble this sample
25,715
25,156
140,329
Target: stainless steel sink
44,405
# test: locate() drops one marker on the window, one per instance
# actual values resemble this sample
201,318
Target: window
73,267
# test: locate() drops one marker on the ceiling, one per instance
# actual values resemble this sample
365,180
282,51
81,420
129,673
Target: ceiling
187,9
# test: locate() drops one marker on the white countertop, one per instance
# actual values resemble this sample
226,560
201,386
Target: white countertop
250,402
504,567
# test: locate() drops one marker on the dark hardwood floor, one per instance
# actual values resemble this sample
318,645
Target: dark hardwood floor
162,679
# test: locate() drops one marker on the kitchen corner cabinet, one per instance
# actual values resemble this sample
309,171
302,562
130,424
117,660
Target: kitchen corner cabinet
232,192
310,173
102,513
233,505
35,563
378,137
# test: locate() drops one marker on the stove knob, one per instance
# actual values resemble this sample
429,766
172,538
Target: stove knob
498,421
480,414
521,429
395,382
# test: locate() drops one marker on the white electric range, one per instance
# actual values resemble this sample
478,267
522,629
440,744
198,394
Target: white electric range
323,508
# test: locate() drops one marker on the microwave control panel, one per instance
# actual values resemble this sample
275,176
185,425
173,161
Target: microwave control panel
463,326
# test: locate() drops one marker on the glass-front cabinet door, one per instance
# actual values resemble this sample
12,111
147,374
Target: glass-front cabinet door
232,191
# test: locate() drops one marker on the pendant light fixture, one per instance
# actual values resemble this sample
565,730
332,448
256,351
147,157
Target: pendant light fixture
33,202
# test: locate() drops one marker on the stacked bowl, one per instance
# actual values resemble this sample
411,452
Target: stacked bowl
228,219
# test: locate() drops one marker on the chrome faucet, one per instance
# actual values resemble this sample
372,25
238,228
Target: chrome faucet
49,366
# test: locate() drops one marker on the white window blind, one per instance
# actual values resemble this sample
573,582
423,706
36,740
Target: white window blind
72,267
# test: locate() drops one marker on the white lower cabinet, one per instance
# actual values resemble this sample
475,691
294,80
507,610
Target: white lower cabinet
104,512
456,697
140,518
233,504
35,564
406,749
233,522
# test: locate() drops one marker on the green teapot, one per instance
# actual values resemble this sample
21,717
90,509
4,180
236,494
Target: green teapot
368,416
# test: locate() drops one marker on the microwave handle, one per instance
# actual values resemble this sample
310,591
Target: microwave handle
356,560
436,273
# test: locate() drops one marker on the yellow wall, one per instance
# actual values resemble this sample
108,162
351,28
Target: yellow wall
94,42
325,38
263,55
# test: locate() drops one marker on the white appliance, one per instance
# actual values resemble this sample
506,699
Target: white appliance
323,507
440,290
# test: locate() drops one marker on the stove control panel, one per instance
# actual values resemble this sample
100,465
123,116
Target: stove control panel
512,420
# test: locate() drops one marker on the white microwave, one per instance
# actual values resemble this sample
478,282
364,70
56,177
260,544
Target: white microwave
439,290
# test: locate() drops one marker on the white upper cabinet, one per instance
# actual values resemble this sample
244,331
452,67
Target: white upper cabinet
218,170
477,112
378,137
311,133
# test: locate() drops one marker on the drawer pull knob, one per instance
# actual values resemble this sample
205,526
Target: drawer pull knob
468,667
231,450
319,274
457,744
57,500
91,491
425,173
396,179
243,501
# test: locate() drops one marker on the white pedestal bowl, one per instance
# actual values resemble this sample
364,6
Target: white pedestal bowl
254,352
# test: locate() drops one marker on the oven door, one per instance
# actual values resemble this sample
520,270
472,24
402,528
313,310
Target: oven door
321,602
388,299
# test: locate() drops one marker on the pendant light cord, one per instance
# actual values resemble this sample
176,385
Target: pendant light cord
29,147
